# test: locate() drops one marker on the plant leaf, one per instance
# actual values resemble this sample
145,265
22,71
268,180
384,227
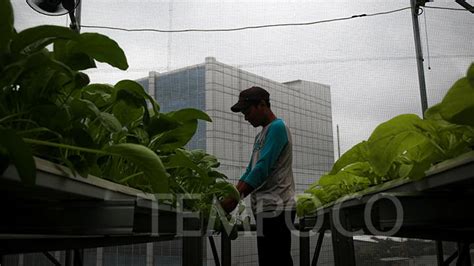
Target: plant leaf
147,161
188,114
136,90
66,51
181,135
176,138
110,122
358,153
82,108
181,160
225,189
20,154
470,75
102,49
458,105
433,113
161,123
7,30
391,139
99,94
126,114
37,38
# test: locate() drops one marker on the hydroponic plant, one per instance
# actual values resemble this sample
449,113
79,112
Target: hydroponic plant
403,147
49,109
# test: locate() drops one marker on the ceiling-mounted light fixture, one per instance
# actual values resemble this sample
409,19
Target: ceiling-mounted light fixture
58,8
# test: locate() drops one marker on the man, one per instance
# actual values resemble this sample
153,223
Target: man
268,177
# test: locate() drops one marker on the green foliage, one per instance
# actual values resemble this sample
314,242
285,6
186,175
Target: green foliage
457,105
147,161
34,39
306,203
48,109
12,147
394,138
358,153
403,147
6,26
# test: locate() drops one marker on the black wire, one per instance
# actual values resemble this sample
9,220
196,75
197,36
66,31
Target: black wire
248,27
446,8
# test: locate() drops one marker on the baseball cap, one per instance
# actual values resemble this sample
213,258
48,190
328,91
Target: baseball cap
249,96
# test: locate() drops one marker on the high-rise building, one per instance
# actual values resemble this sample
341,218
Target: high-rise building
214,87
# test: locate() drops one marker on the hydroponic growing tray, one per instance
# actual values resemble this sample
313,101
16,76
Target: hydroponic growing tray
62,211
437,207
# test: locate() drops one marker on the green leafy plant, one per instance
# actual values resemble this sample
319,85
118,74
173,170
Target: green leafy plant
403,147
49,109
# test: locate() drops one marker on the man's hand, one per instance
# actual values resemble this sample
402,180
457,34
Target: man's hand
229,204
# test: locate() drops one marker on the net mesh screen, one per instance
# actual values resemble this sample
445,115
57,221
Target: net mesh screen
334,69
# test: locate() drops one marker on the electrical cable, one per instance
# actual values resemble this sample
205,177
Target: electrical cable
446,8
248,27
265,26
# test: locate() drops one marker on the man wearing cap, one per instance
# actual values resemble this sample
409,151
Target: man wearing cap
268,177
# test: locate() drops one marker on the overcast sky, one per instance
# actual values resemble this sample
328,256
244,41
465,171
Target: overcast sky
369,62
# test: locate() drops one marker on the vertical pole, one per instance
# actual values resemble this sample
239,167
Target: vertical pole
192,251
419,55
226,245
343,246
149,254
439,252
77,12
78,257
100,257
464,256
338,143
69,258
170,35
304,245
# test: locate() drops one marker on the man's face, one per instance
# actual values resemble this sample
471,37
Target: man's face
253,114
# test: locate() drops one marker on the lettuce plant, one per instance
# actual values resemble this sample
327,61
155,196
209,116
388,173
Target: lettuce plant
403,147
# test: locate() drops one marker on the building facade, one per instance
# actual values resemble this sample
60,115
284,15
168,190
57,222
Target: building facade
214,87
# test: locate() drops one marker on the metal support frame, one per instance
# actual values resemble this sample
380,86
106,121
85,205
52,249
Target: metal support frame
439,253
464,256
343,246
192,251
317,249
214,251
451,258
419,54
226,249
74,257
304,248
52,259
447,187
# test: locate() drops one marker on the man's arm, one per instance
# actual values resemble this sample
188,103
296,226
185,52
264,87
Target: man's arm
244,189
